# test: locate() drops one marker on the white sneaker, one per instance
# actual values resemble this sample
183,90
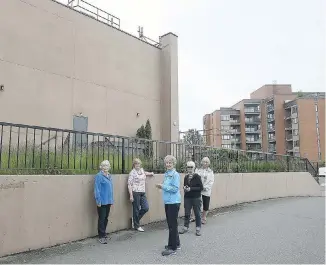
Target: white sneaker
140,229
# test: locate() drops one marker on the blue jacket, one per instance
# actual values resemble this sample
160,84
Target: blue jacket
171,187
103,189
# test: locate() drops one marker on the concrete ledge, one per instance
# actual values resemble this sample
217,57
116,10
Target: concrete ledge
43,211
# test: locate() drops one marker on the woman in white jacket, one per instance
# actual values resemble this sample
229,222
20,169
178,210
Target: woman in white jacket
207,178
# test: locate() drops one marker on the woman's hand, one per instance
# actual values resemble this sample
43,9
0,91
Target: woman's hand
186,188
159,186
131,198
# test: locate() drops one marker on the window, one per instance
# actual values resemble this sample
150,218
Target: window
296,143
225,127
316,108
252,138
295,120
226,146
294,109
225,117
295,132
226,137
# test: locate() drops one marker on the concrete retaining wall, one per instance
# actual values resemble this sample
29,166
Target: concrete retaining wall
42,211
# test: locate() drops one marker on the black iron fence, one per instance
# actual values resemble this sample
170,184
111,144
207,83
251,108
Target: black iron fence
26,149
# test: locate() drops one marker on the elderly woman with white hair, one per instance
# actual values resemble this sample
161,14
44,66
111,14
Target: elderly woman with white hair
136,188
172,201
103,192
207,178
192,197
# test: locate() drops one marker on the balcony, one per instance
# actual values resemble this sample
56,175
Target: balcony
288,127
232,121
253,121
252,110
254,148
271,119
271,129
253,141
270,108
252,130
235,140
289,138
272,139
272,149
234,131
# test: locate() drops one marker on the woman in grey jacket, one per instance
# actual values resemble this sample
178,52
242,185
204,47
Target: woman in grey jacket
207,178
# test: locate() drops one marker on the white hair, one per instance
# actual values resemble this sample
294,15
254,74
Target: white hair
191,164
170,158
206,159
105,165
136,161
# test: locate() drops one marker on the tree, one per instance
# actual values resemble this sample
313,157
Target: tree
141,133
193,137
146,133
148,130
300,94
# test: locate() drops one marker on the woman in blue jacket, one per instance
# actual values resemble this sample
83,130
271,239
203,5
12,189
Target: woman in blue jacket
172,199
103,191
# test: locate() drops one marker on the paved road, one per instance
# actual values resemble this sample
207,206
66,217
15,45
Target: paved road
288,230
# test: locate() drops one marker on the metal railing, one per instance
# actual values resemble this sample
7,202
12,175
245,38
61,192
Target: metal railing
26,149
93,11
252,110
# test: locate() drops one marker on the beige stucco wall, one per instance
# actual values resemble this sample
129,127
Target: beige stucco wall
42,211
56,63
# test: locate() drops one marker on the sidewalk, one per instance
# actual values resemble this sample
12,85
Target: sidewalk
288,230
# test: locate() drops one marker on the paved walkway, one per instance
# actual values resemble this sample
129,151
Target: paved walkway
290,230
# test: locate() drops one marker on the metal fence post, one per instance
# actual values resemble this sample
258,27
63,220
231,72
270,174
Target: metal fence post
123,157
288,163
193,154
238,168
306,159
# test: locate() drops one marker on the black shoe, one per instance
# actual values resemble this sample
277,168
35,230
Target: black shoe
167,247
168,252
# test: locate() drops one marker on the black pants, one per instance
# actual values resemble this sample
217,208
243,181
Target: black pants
140,207
206,200
103,215
195,204
172,212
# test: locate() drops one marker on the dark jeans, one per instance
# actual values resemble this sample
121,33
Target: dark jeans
172,212
103,214
140,207
195,204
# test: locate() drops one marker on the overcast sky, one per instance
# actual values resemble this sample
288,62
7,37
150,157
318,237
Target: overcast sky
228,48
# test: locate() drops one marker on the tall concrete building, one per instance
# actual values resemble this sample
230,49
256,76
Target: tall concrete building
273,120
63,67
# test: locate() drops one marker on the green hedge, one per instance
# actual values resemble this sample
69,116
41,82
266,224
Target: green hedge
50,162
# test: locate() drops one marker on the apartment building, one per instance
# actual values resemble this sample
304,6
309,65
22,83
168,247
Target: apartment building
270,121
304,124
